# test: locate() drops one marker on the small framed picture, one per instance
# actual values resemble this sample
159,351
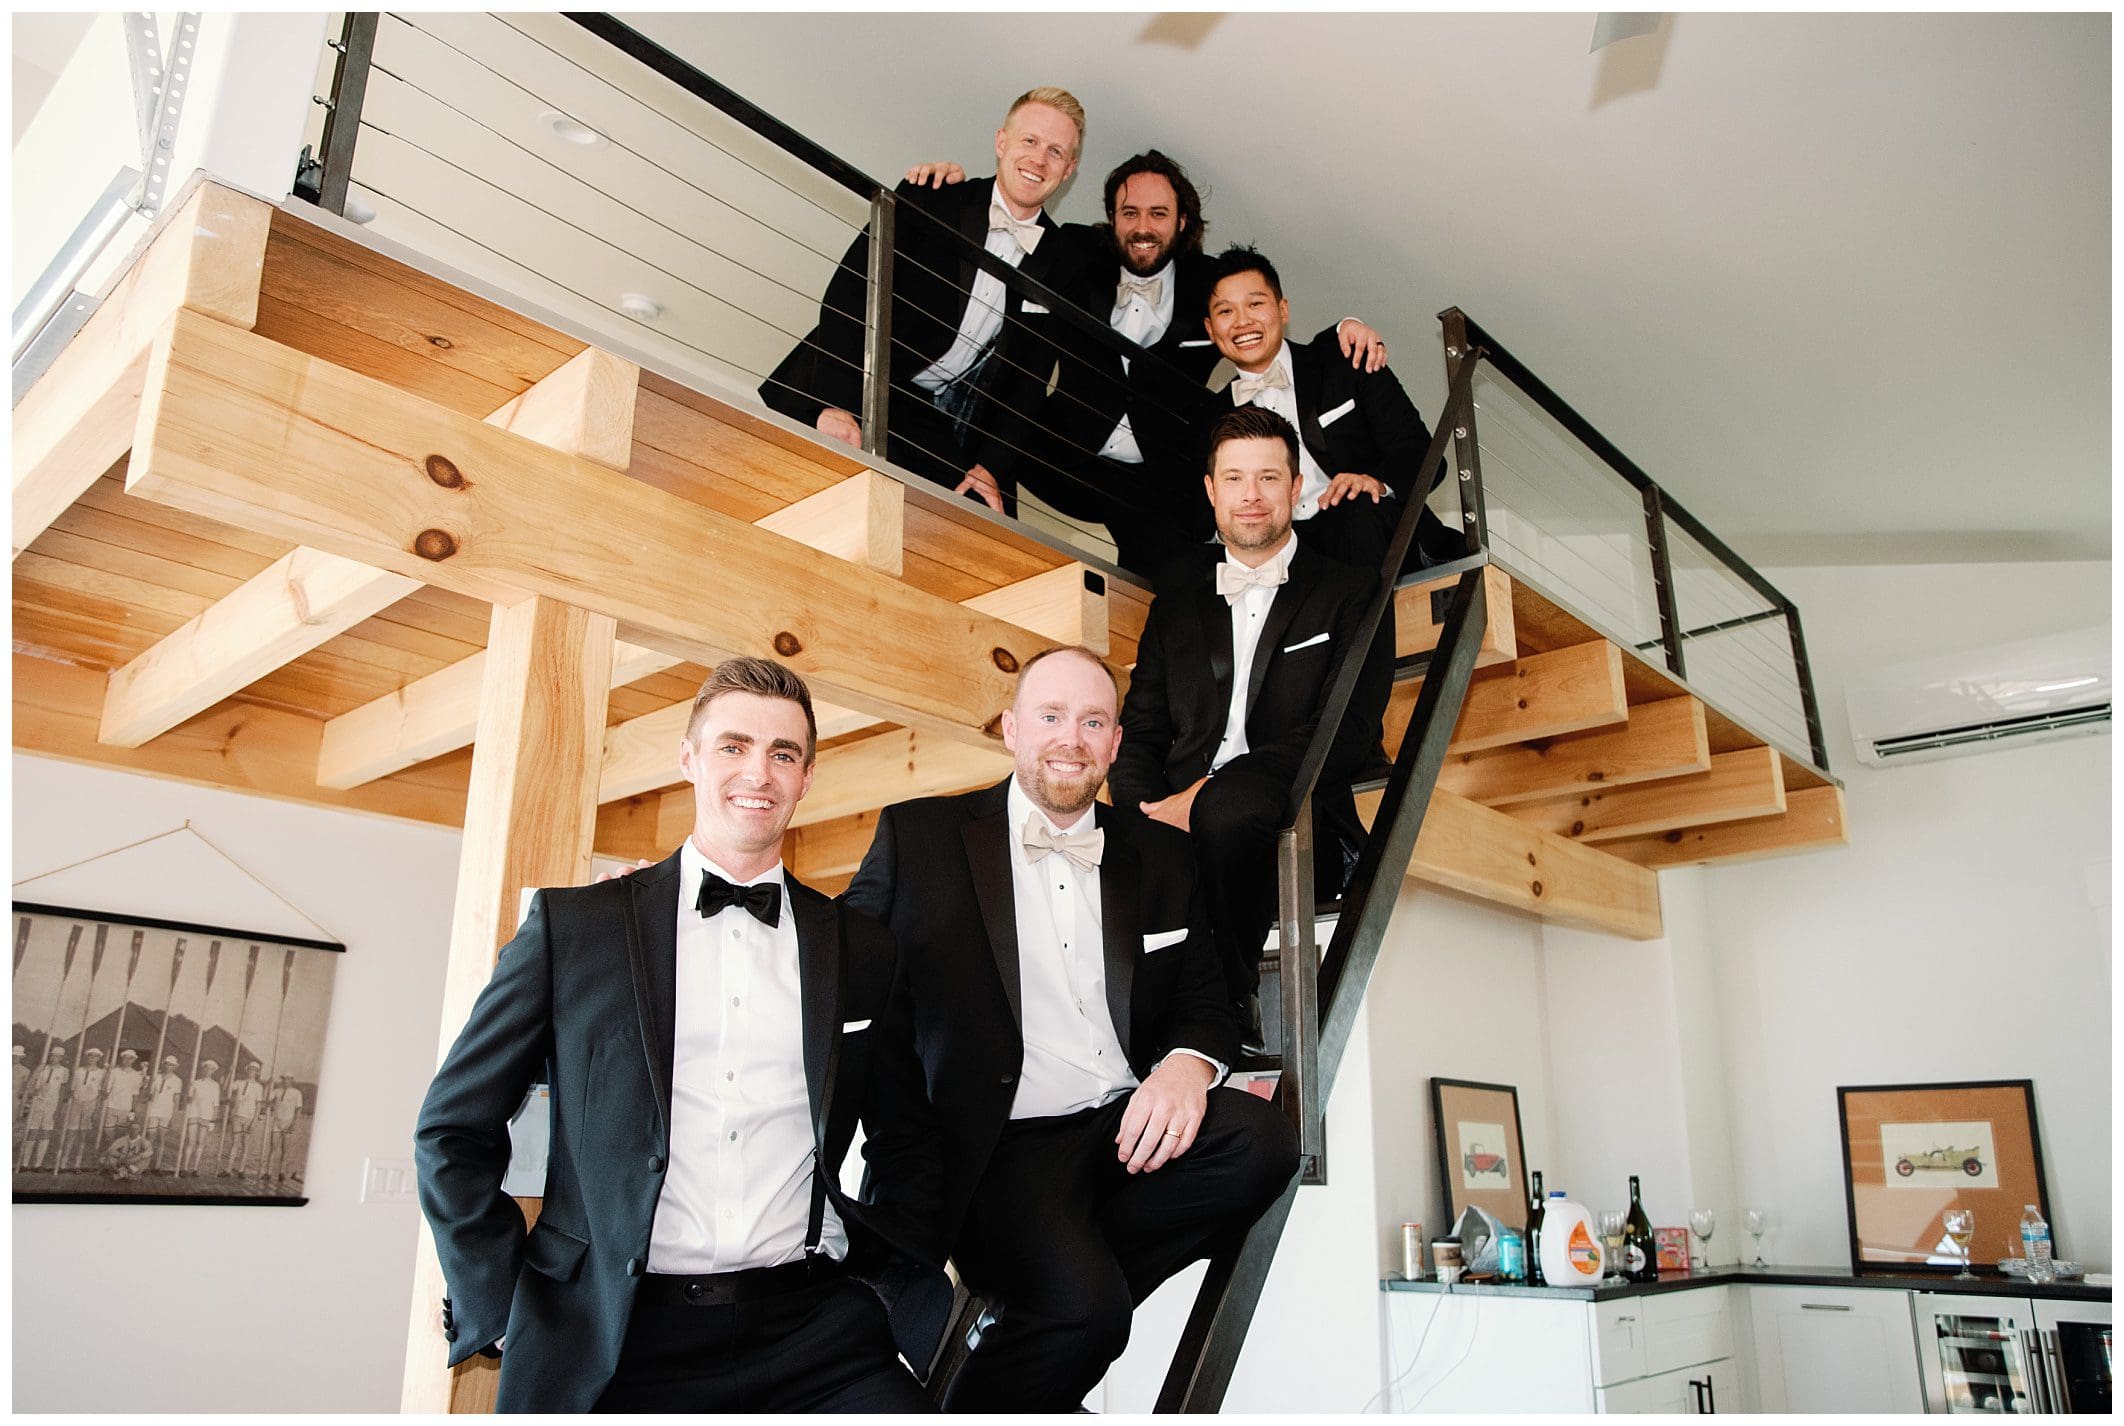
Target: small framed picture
1673,1249
1480,1159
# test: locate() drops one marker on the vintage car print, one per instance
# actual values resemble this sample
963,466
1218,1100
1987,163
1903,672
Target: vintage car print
1940,1161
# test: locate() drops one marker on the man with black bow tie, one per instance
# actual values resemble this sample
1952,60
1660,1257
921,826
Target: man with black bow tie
966,368
1074,1031
1231,677
1361,440
710,1029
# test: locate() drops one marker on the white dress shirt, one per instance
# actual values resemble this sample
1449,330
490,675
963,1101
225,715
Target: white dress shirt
1284,402
737,1189
1248,612
1143,324
983,318
1073,1057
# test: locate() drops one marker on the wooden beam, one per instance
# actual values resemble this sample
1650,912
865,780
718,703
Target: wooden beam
77,421
891,767
1539,696
860,520
1813,820
1066,604
253,434
584,406
1663,739
1740,785
1469,848
825,851
528,823
298,602
1420,610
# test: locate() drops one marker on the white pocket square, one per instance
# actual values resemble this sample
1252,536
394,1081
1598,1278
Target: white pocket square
1319,638
1159,940
1329,418
854,1025
1198,342
1034,307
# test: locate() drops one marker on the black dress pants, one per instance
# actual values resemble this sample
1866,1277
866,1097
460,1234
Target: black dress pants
825,1347
1153,514
1069,1241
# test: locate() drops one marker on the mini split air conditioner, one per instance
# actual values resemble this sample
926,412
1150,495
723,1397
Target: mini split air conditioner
2053,686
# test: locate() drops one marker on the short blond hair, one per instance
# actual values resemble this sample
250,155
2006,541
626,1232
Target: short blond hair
1058,99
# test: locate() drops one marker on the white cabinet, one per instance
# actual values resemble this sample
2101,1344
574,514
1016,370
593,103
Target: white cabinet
1686,1391
1821,1349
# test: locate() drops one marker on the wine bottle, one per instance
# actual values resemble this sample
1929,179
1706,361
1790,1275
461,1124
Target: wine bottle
1640,1248
1534,1206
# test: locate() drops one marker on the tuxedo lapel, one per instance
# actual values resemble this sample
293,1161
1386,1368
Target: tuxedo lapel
973,226
987,835
1120,876
819,970
1306,378
652,953
1215,612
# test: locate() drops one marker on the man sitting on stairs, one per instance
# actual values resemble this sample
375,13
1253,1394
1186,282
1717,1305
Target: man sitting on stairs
1231,676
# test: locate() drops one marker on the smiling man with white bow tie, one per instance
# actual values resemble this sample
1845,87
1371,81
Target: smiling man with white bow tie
970,358
1070,1016
1232,672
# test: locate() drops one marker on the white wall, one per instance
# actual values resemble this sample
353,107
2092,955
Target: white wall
1964,933
242,1309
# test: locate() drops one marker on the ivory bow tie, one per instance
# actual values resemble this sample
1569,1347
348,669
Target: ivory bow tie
1084,848
1026,234
1150,289
1246,388
1234,579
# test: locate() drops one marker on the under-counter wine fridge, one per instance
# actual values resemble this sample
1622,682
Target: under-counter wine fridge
2011,1354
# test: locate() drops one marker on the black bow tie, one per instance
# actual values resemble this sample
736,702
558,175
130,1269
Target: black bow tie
763,898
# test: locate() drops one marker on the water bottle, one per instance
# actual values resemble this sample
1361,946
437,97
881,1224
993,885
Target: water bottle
2035,1245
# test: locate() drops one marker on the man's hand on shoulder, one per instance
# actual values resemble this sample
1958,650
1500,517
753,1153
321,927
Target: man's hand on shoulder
841,425
1177,810
622,871
1164,1114
936,175
1362,344
1350,485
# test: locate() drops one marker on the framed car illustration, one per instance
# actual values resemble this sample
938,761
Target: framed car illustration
1914,1151
1480,1157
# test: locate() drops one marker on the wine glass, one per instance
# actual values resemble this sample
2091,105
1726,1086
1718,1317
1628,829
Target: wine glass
1612,1221
1960,1224
1757,1222
1703,1223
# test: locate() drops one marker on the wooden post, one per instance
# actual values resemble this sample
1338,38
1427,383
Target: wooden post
529,816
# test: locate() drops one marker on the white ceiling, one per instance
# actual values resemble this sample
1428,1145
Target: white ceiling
1841,283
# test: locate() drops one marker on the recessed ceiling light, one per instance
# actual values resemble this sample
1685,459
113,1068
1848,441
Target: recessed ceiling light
573,131
639,307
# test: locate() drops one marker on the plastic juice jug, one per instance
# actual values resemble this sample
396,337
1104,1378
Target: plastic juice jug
1571,1254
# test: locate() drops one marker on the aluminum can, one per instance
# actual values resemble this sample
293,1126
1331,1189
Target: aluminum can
1511,1256
1412,1252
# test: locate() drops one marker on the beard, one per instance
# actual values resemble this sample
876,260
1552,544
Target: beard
1157,260
1059,797
1268,536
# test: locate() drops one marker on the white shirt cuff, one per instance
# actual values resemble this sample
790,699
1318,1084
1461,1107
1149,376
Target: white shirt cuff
1223,1071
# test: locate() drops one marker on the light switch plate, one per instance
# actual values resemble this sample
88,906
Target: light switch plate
387,1181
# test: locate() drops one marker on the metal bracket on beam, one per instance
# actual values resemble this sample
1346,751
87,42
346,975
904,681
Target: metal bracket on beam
160,81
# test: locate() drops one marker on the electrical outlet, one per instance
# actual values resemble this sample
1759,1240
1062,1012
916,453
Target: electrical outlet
387,1181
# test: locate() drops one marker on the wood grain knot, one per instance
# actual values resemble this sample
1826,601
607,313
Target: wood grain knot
444,472
787,644
1536,888
1005,660
435,544
444,342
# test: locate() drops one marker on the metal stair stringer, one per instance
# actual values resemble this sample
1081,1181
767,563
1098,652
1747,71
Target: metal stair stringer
1216,1328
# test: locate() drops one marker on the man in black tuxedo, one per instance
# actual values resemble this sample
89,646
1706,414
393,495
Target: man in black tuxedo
1116,441
1361,440
1073,1029
709,1046
969,361
1231,676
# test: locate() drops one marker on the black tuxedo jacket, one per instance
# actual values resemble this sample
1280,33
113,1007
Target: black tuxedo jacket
1352,420
582,998
1181,689
939,875
932,282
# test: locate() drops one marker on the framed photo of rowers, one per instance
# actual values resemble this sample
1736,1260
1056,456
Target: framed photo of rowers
164,1062
1481,1160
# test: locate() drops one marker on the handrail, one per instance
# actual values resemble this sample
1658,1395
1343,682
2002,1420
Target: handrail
712,91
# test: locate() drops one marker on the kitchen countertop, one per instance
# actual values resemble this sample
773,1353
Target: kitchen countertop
1991,1284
